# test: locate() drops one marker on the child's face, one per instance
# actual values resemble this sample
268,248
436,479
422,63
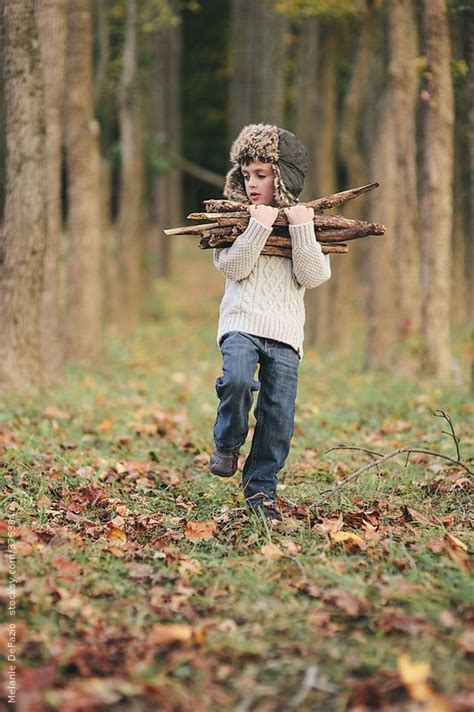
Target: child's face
258,179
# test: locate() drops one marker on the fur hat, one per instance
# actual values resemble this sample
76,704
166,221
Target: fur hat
270,144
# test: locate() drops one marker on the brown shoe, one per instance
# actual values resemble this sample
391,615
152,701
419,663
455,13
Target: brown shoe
224,464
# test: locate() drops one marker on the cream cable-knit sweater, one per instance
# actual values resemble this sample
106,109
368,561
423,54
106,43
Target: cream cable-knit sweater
264,293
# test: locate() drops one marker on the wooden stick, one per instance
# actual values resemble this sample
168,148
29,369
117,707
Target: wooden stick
190,229
329,201
365,230
283,250
321,222
351,228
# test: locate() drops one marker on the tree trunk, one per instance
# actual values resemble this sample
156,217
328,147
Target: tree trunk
131,222
306,116
86,259
381,336
436,198
52,22
470,245
459,32
404,86
165,110
318,301
258,65
352,155
23,240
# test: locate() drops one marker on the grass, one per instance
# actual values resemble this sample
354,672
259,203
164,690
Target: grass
119,607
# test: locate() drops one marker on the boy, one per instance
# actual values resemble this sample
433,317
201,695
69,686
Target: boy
261,317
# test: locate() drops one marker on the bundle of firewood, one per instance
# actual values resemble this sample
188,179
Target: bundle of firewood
229,219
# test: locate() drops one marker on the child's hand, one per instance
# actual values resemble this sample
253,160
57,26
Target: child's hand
299,214
264,214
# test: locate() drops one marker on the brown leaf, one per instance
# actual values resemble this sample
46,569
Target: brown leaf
67,569
168,633
139,571
116,535
346,602
272,552
394,619
325,526
466,642
51,411
196,530
411,514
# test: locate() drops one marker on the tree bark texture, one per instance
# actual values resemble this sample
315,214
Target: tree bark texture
52,22
259,48
404,86
85,255
131,223
436,195
165,112
320,313
23,239
381,305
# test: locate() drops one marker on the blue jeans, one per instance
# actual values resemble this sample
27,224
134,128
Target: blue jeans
274,411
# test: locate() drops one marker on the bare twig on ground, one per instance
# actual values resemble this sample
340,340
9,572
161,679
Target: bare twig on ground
441,414
398,451
382,458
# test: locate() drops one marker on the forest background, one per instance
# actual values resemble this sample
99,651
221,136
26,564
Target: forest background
134,578
123,126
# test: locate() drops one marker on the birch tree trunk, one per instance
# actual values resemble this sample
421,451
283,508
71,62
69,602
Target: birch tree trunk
85,257
23,239
436,197
52,22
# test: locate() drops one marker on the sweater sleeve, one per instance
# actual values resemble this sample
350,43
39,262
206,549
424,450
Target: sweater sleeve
236,262
311,266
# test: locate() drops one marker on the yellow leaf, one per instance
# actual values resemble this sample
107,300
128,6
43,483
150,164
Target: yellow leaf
341,537
414,676
456,542
116,535
104,425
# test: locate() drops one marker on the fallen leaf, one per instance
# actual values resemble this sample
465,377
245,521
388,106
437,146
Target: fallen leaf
325,526
272,552
116,535
139,571
346,602
348,539
196,530
414,676
104,426
466,642
51,411
165,633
